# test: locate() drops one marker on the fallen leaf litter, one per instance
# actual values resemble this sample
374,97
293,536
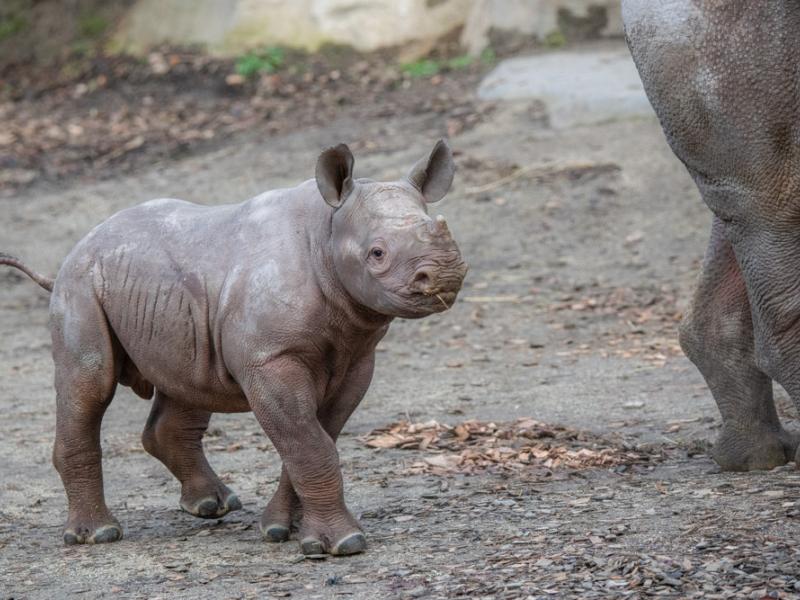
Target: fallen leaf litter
475,446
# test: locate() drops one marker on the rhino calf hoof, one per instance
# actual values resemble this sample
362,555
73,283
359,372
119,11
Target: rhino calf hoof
312,547
101,535
211,508
275,533
352,544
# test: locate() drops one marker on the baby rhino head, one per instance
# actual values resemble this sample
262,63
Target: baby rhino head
389,254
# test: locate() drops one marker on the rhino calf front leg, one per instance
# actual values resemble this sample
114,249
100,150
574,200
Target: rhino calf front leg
174,435
285,507
285,400
717,335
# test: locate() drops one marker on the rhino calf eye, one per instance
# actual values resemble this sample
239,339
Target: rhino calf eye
376,253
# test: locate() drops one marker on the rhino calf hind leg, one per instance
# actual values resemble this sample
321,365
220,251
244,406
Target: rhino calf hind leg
717,336
174,435
282,511
77,458
85,382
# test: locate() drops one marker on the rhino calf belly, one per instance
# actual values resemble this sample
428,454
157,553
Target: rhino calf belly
166,330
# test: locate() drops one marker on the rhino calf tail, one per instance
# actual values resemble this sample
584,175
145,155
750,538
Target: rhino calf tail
11,261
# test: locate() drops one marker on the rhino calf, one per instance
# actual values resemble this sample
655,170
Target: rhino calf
724,79
274,305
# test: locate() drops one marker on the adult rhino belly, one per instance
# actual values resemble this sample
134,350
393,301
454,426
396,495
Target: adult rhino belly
164,319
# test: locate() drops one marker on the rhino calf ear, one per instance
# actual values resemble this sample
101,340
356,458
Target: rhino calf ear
334,174
433,175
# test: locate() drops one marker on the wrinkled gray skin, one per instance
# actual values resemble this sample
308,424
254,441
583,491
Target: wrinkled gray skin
274,305
724,79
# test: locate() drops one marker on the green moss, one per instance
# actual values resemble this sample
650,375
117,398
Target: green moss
488,56
114,45
460,62
91,25
11,25
555,39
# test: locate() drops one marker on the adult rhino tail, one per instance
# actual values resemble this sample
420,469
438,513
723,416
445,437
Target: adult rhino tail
12,261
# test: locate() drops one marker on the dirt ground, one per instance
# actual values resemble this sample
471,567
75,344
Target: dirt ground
583,246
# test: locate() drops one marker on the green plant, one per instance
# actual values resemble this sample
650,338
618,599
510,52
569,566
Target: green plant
266,60
425,67
460,62
11,25
488,56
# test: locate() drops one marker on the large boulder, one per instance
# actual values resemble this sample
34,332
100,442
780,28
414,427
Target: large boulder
576,86
231,26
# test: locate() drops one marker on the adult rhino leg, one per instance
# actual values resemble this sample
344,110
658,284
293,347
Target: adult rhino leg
769,256
174,435
85,382
717,336
285,508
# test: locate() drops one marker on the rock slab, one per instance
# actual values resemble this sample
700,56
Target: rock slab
580,87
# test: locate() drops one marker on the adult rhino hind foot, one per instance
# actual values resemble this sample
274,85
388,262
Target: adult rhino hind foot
754,450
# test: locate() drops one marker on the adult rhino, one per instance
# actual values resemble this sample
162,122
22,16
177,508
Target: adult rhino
724,79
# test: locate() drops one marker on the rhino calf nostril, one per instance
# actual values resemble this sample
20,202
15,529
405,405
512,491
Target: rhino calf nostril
422,280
